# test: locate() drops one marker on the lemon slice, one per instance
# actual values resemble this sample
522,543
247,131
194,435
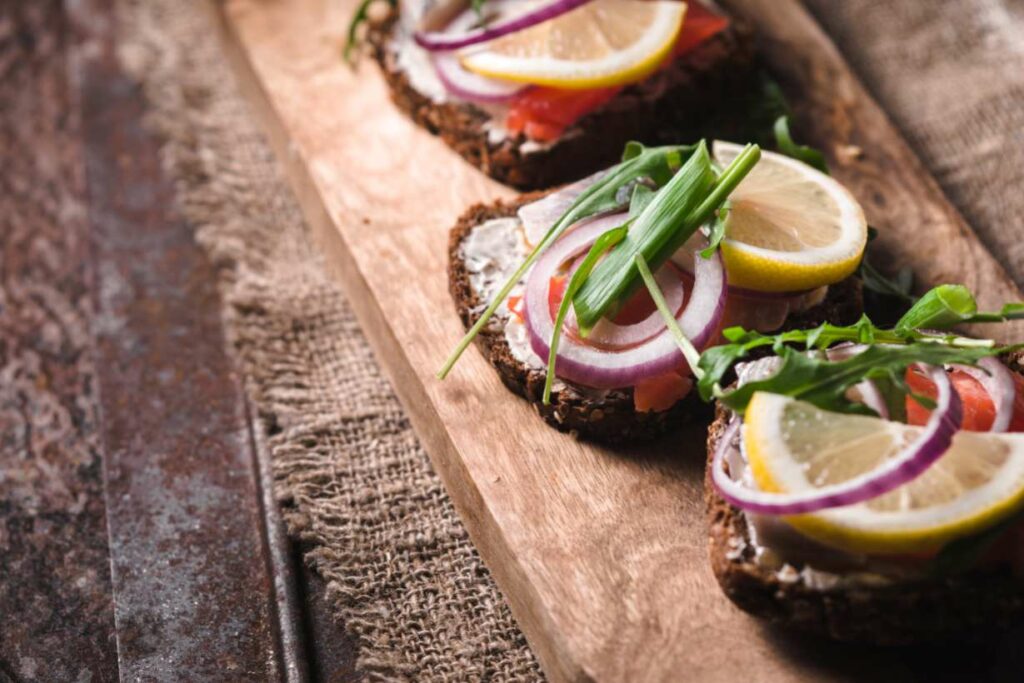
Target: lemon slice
792,446
791,227
600,44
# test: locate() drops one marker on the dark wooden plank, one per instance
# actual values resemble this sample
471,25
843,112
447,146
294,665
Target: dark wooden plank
56,614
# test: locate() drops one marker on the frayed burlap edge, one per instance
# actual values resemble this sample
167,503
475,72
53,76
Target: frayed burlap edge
353,480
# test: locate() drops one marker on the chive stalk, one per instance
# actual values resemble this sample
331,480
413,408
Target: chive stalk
690,352
676,212
603,243
656,163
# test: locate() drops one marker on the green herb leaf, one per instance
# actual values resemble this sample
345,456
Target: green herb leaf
678,209
657,164
642,196
360,17
716,233
602,244
898,348
963,554
787,146
690,352
947,306
824,383
615,279
899,287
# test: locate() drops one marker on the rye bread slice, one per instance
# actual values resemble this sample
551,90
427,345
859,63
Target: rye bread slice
611,417
680,102
910,611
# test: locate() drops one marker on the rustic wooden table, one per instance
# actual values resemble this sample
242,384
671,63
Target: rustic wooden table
138,539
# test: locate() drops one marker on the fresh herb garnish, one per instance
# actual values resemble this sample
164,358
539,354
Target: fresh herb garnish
360,17
813,378
716,230
690,352
657,164
886,299
675,213
606,241
824,383
787,146
947,306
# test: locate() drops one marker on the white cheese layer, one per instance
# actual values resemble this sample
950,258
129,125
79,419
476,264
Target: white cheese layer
492,252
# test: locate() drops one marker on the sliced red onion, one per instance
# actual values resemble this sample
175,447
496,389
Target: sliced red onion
999,384
589,365
470,86
933,441
510,19
538,217
612,336
869,393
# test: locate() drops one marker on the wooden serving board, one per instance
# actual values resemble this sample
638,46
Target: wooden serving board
601,553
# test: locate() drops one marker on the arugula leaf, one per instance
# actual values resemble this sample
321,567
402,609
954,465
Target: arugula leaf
899,288
947,306
658,164
811,377
606,241
641,197
824,383
808,155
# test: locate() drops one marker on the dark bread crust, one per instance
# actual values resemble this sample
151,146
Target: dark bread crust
969,607
612,417
677,103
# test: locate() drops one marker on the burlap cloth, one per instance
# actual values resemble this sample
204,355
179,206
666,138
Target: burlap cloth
352,478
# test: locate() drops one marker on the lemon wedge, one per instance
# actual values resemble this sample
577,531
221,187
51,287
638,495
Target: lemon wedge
793,446
600,44
791,227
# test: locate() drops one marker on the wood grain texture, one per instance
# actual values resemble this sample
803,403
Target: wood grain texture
601,553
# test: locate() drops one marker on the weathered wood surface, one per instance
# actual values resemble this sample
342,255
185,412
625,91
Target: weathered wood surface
601,553
110,421
56,611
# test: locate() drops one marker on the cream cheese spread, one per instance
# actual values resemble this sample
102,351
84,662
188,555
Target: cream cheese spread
492,252
418,67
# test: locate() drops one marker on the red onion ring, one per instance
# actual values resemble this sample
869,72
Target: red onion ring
934,440
470,86
999,384
610,369
612,336
870,394
539,216
443,40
